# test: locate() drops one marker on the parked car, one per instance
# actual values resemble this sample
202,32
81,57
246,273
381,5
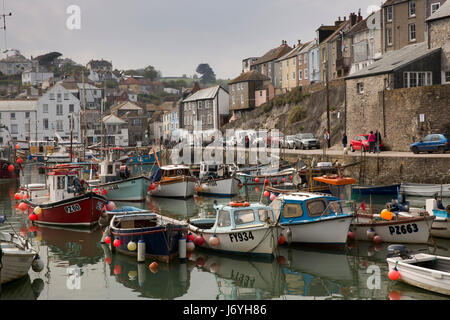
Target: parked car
307,141
439,142
361,142
290,142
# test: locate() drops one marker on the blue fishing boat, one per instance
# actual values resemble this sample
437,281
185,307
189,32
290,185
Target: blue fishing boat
158,234
313,218
143,159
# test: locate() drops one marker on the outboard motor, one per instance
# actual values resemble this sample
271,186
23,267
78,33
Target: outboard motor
123,172
397,250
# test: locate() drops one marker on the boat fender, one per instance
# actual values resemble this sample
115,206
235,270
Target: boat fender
37,265
141,251
214,241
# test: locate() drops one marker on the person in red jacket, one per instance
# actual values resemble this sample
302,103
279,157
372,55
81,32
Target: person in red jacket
372,140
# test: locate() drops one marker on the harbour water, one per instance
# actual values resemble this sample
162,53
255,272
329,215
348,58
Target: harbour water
79,267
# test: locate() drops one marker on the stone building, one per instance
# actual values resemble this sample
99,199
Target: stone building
242,90
411,66
439,37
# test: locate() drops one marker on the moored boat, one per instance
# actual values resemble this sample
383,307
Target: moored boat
16,257
426,271
172,181
376,190
425,190
160,235
67,202
217,180
313,218
238,228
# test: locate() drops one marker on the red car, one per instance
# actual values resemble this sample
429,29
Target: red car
361,141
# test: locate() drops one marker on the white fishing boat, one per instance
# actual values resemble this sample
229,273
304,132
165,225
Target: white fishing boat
238,228
172,181
425,190
16,257
426,271
217,180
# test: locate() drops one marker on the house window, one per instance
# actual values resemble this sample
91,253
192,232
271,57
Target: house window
389,36
233,100
27,127
293,61
412,32
300,59
14,129
58,97
200,103
242,99
447,76
59,109
287,63
45,124
71,108
13,116
360,87
52,96
293,75
389,13
66,96
417,79
59,125
412,8
300,75
435,7
27,115
306,74
209,119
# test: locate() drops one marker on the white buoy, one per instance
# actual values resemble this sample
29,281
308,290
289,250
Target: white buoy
182,248
141,251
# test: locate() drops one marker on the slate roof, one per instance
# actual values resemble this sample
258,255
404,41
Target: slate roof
441,13
394,60
273,54
252,75
204,94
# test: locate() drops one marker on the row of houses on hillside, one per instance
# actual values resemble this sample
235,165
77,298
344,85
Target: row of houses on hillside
339,50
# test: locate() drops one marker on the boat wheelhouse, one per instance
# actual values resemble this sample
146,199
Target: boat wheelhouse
172,181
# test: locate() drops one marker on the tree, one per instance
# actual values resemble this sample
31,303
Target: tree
207,73
151,73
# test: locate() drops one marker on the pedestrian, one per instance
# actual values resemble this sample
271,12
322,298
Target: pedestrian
372,140
326,137
378,141
344,140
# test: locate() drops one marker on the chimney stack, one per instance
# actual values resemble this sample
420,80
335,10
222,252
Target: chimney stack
352,18
359,16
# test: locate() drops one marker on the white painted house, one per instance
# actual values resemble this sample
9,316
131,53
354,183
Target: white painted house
54,109
36,76
116,131
18,120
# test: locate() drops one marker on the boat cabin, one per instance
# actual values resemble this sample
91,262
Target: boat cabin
236,216
214,171
302,207
339,186
135,221
111,168
42,147
175,171
63,184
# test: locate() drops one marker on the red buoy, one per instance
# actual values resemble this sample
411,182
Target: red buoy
266,193
117,243
108,240
10,168
351,235
394,274
257,180
281,240
32,217
266,181
199,241
377,239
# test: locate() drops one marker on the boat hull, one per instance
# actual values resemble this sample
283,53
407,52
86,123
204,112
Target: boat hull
330,231
249,241
80,211
425,190
161,243
441,228
174,189
382,190
220,187
407,230
425,278
133,189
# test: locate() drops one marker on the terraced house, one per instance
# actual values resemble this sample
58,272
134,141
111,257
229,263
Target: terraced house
288,65
248,90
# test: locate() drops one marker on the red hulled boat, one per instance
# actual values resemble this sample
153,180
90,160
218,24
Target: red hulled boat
67,202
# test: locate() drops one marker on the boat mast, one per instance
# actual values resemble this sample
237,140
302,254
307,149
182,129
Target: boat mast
84,116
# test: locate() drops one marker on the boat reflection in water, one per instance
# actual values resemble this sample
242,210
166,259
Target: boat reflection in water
22,289
242,278
175,208
75,246
167,282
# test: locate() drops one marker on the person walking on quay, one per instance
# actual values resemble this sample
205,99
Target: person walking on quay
372,140
344,140
378,141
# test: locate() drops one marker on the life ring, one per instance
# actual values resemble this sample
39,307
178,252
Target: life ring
239,204
179,172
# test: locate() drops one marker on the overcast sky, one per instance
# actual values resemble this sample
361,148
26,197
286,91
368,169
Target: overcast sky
172,35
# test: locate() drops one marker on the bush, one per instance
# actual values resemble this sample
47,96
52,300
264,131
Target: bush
298,113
